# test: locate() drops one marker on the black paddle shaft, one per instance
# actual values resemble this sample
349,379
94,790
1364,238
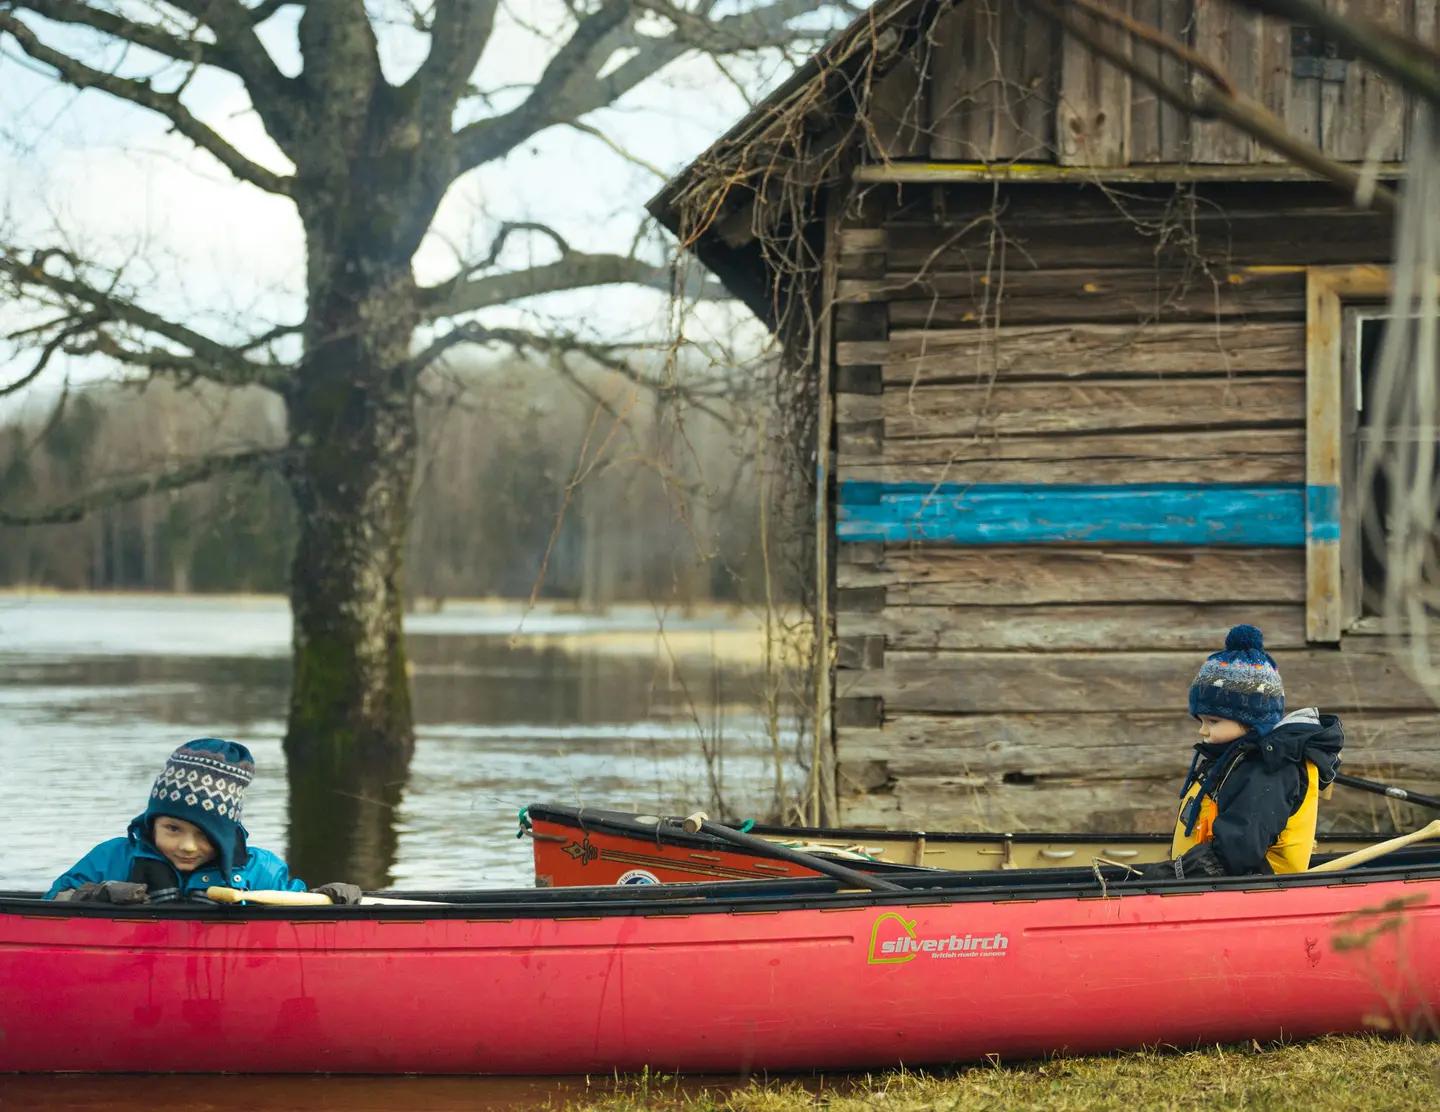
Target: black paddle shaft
808,860
1386,790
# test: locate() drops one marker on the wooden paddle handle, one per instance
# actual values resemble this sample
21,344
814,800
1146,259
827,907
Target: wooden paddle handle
266,896
693,824
1380,849
280,898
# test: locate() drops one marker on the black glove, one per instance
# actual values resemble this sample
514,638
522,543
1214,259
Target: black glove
107,892
340,893
1157,870
1196,863
1199,862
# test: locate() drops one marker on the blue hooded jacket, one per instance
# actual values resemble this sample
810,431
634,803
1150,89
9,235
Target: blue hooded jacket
250,868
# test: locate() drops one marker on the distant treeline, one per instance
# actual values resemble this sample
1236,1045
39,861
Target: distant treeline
521,471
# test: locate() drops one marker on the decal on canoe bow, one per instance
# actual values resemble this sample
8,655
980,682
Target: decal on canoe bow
584,851
893,940
638,876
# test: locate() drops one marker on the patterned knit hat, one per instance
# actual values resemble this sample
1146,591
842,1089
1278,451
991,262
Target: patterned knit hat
1241,684
204,782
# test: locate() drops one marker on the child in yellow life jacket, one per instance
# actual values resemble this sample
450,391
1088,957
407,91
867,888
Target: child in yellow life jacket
1249,802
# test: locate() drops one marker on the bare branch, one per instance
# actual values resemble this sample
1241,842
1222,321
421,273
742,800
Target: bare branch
508,229
261,12
572,87
573,271
342,56
47,352
491,139
148,35
627,155
279,332
89,307
755,29
274,96
458,36
128,490
81,76
558,346
161,360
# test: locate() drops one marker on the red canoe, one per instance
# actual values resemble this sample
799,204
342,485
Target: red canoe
775,975
583,845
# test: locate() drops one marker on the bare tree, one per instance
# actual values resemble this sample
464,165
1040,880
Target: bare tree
372,160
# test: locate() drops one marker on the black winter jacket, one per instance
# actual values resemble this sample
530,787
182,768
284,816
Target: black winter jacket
1259,782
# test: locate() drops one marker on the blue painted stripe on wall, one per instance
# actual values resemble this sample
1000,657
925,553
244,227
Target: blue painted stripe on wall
1322,514
1157,513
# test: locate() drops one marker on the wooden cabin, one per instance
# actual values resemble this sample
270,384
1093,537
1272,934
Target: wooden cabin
1086,376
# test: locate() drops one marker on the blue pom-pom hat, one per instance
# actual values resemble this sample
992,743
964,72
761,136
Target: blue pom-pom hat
1241,683
204,782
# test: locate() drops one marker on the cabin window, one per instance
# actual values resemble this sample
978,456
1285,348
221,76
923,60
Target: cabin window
1363,548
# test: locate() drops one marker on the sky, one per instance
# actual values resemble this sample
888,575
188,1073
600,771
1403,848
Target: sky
106,178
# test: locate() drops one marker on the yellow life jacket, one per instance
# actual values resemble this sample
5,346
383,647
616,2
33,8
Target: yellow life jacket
1290,852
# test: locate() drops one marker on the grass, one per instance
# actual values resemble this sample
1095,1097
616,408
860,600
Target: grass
1327,1075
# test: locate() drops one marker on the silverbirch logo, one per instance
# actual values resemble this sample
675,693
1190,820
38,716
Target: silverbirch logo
893,940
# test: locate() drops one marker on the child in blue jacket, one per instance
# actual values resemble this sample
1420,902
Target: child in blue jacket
188,839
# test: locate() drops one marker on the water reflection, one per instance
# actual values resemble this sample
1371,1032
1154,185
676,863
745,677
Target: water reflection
95,691
175,1093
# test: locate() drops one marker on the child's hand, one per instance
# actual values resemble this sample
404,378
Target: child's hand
117,892
340,893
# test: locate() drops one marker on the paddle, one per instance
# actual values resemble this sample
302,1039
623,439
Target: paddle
1386,790
280,898
1380,849
700,822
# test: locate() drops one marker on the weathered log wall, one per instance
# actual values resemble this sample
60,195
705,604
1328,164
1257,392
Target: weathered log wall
1003,344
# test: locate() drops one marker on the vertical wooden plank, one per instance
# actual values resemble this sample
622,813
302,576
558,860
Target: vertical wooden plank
897,117
1145,105
1302,108
1323,423
1425,20
1229,36
1425,25
1093,113
1361,115
1274,85
964,84
1160,132
1029,59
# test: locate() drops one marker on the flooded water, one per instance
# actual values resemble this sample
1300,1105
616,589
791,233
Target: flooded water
512,708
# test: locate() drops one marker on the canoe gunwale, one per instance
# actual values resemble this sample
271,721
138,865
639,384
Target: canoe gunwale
727,897
671,832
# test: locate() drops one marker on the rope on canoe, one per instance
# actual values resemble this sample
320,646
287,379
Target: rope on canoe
524,819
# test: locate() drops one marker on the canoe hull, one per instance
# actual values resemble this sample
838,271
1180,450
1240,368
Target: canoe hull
575,846
868,985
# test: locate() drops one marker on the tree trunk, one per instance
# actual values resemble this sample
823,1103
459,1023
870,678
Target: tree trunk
353,434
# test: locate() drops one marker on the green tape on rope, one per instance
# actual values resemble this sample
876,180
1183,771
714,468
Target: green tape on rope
746,826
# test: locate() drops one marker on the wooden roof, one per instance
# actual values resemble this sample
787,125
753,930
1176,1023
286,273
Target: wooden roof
974,90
